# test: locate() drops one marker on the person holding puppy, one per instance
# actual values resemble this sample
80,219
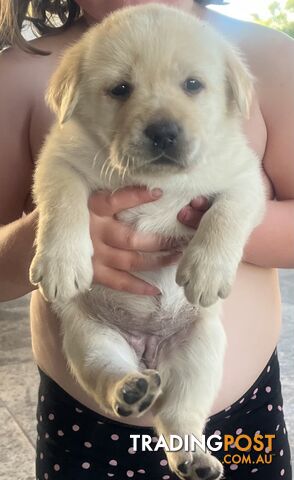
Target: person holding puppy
84,443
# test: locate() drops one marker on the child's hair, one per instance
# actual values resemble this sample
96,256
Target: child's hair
46,16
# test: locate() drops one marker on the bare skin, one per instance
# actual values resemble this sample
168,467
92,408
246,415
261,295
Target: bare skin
252,312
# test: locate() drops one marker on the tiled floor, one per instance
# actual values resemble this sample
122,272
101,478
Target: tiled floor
19,382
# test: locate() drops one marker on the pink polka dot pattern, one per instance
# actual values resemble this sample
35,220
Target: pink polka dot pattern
268,369
136,468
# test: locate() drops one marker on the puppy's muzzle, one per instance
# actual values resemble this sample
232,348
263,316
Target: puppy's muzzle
164,138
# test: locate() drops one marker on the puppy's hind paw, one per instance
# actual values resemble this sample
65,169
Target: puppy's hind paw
201,467
136,393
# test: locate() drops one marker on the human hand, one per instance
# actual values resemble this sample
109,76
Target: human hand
117,246
191,214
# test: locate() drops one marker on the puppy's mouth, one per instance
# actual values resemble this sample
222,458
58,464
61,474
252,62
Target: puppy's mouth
164,159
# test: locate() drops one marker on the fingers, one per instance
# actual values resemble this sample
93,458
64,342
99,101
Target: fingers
190,217
120,235
118,248
200,203
191,214
123,282
109,204
132,261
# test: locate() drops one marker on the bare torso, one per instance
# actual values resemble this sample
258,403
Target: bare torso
252,312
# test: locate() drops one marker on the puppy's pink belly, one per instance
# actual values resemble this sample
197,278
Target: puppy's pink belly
148,346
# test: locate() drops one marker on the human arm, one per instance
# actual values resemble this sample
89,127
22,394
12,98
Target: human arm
272,243
16,232
16,253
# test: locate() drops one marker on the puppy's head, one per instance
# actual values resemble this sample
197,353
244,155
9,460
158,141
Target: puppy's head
154,86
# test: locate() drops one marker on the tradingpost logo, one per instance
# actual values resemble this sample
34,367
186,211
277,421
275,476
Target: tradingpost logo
238,449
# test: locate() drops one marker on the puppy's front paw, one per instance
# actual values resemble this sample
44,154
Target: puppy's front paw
61,277
206,277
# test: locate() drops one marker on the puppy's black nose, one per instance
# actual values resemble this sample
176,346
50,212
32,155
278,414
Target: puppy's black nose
163,135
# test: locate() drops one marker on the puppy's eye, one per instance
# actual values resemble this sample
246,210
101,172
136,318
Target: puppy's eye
122,90
192,85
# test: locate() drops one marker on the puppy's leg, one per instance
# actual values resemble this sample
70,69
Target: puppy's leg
107,367
62,266
209,264
191,375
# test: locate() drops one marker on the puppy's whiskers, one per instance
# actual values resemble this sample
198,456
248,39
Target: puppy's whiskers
94,162
105,167
126,169
113,163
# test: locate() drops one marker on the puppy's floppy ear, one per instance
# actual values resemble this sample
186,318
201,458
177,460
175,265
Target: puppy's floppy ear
240,81
63,92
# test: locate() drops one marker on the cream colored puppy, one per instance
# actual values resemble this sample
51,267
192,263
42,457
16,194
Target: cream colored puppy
149,97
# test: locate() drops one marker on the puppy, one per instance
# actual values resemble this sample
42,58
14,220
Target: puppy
151,97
